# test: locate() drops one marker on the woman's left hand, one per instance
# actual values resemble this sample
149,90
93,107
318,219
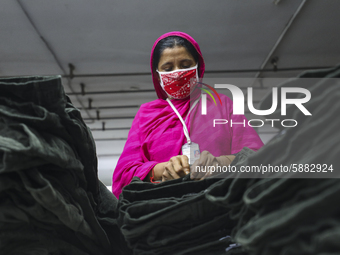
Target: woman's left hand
176,167
207,159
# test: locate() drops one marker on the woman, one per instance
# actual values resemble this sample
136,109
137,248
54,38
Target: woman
158,136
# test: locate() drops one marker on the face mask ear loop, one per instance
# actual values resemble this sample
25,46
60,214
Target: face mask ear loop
160,79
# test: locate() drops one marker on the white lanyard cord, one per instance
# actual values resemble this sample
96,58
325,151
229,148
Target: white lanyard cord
185,129
192,107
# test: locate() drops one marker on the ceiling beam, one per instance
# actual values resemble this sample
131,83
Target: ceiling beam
206,72
278,41
49,48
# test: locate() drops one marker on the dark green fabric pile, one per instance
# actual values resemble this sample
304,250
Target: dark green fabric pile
51,201
289,213
173,217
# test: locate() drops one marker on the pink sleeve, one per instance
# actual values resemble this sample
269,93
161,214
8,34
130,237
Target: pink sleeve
243,135
132,161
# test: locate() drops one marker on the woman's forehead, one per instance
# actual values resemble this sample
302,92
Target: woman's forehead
176,52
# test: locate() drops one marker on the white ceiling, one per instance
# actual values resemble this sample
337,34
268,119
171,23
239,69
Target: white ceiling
110,42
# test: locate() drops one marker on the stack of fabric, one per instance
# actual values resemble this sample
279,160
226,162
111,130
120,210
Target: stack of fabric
51,201
288,213
297,212
174,217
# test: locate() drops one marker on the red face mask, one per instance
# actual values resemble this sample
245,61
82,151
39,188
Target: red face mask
179,83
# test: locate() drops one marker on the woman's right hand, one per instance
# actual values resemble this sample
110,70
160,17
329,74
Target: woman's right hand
176,167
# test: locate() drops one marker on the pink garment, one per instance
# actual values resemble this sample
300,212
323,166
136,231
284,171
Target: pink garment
156,133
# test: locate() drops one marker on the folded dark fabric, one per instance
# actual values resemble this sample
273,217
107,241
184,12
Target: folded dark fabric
40,103
173,217
51,199
288,213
